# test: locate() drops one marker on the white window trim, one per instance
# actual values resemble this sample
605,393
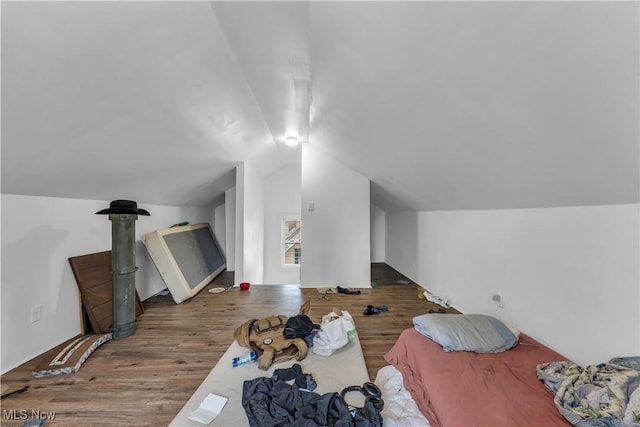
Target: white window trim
281,219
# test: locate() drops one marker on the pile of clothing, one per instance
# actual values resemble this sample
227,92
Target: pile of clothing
288,399
607,394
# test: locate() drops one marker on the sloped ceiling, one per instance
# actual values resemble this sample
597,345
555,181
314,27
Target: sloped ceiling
442,105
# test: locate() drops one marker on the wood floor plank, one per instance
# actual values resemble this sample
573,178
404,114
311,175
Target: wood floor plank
145,379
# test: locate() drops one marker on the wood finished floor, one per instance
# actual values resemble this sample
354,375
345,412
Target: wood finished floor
145,379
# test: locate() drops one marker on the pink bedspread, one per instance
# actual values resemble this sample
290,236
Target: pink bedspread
462,388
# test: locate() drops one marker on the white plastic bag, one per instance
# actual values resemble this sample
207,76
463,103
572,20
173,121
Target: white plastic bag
336,331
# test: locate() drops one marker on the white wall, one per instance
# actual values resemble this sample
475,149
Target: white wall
402,243
39,234
220,227
282,195
378,234
569,276
239,230
249,260
230,227
336,235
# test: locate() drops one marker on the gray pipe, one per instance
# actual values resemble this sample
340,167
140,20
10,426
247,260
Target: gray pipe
123,270
123,215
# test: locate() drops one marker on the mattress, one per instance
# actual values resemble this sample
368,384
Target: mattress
344,368
463,388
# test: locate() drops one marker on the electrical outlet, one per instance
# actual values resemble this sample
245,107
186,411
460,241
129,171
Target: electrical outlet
311,206
36,313
498,299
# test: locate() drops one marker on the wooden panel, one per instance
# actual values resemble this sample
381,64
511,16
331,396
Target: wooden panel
93,276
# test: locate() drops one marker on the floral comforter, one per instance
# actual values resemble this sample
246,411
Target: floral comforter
607,394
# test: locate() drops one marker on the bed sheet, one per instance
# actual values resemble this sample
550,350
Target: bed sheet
469,389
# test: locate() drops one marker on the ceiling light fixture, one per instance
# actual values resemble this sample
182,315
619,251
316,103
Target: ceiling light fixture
291,141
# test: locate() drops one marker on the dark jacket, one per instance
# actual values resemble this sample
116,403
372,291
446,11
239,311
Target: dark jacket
274,403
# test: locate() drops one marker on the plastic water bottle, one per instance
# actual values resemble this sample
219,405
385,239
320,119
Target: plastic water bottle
244,359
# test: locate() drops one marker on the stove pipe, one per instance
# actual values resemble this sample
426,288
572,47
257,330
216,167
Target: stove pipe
123,215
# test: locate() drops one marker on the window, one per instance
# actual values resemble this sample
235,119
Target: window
291,250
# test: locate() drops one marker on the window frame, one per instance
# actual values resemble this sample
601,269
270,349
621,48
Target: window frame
283,219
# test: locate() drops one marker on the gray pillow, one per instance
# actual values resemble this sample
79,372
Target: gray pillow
466,332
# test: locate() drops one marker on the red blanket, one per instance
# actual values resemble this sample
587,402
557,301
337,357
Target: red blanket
462,388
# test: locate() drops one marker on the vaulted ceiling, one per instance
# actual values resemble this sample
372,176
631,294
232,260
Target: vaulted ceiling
442,105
